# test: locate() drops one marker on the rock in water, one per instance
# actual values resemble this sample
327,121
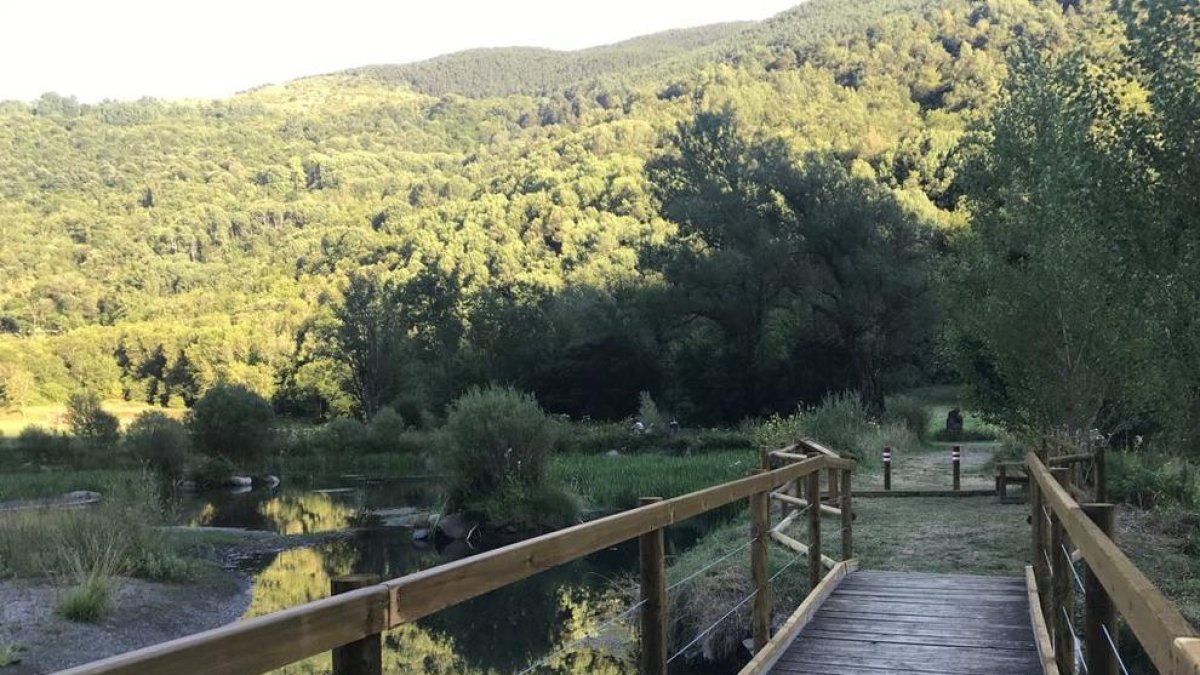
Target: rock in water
456,526
420,534
239,481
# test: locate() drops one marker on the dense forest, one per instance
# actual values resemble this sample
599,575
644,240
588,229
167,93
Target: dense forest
737,218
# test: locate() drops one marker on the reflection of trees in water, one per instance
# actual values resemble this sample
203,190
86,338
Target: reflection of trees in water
296,513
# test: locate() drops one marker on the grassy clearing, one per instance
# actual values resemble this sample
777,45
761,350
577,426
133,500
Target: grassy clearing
618,482
938,401
41,484
53,416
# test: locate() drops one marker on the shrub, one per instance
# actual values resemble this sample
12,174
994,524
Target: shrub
90,422
233,422
648,413
45,446
1151,478
386,430
88,602
161,442
841,423
498,440
911,413
344,435
214,471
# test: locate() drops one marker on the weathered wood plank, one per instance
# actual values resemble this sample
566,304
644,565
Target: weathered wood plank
765,658
946,639
1041,633
423,593
1153,619
261,644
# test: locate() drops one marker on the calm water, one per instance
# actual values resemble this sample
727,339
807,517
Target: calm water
506,631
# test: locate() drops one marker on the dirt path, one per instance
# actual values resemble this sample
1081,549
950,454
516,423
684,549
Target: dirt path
930,468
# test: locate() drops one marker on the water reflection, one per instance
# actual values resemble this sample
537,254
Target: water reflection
501,632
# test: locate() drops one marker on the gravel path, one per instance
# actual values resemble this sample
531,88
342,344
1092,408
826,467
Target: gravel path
146,613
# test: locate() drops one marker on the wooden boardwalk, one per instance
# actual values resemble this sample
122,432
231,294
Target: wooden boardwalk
903,622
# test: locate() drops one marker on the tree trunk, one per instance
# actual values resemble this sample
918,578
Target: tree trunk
870,387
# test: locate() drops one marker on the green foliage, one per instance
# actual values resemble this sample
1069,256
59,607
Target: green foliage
45,446
1152,479
10,654
618,482
841,423
161,442
232,422
89,422
654,421
912,413
499,440
89,601
214,471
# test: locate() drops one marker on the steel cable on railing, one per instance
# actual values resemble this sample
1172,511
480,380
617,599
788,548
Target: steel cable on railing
1071,566
595,632
609,623
1075,640
1113,645
740,603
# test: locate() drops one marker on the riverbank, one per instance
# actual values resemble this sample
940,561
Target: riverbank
216,593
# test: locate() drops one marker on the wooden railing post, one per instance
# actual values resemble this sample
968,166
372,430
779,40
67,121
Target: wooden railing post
654,595
1060,587
760,530
1100,614
1101,490
361,657
814,529
832,482
847,518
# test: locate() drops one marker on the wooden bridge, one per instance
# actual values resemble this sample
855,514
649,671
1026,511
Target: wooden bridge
852,622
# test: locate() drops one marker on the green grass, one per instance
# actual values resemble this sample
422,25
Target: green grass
53,416
88,602
42,484
10,654
618,482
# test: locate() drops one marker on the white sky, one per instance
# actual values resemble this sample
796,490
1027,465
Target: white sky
125,49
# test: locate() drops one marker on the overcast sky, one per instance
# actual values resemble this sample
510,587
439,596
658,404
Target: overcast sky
126,49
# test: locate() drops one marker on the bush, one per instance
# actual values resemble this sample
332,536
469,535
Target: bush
499,440
90,423
45,446
1151,478
842,424
233,422
161,442
386,430
911,413
655,421
88,602
214,471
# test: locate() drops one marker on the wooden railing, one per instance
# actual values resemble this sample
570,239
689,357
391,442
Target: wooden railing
1111,583
358,616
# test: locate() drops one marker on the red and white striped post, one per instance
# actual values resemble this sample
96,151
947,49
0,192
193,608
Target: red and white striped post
956,461
887,468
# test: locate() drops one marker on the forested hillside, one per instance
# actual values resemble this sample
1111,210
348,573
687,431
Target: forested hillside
495,213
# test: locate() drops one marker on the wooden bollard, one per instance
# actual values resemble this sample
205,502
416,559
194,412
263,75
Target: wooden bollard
887,468
815,571
1002,482
361,657
654,594
760,526
956,461
1099,613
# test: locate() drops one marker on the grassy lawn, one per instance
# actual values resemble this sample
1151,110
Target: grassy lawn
618,482
53,416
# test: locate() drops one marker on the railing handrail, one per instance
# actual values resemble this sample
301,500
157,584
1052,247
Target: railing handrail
274,640
1164,633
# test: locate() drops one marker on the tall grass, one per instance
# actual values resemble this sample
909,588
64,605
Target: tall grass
116,536
842,423
618,482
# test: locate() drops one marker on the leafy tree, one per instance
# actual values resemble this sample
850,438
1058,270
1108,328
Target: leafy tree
233,423
89,421
160,441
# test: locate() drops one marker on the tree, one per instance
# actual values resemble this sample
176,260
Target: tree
232,422
768,235
90,422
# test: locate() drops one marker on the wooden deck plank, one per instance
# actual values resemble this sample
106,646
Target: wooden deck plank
917,624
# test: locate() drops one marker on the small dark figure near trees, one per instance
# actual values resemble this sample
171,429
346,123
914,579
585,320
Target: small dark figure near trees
954,421
674,427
